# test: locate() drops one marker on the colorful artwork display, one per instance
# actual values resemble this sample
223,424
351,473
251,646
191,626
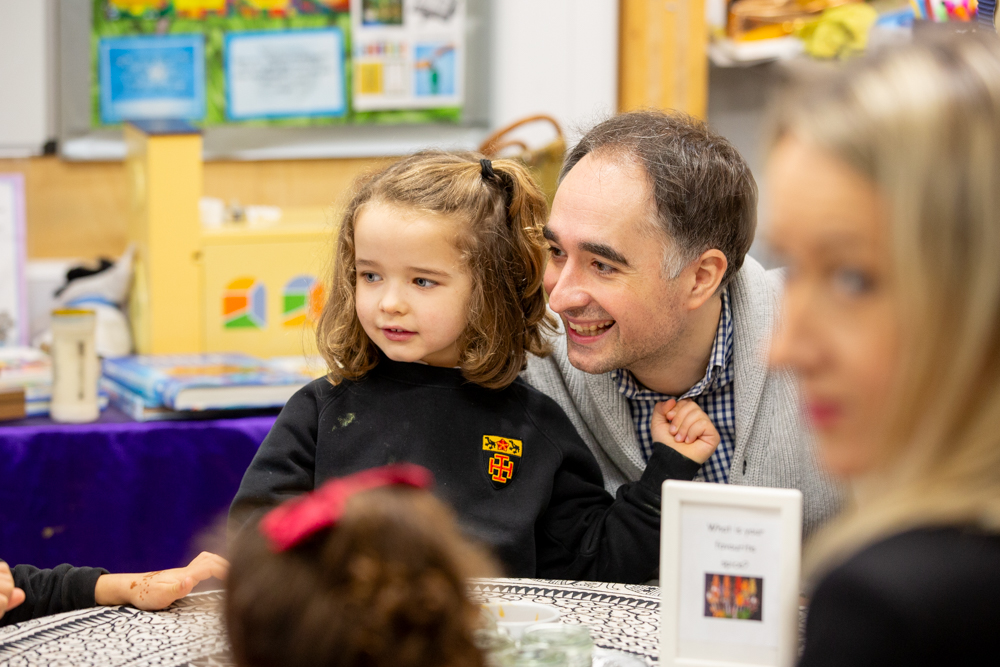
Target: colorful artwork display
282,74
199,7
244,304
302,301
278,62
733,596
408,54
152,77
434,68
382,12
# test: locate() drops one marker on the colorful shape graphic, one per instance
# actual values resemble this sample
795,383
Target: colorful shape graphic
244,305
137,8
302,301
278,6
198,8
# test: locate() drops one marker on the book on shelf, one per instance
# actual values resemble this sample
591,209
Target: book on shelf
138,408
24,367
32,401
203,381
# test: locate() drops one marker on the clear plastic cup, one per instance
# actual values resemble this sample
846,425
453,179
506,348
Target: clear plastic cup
540,656
496,645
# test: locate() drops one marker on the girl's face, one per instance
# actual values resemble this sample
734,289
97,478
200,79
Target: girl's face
840,331
412,289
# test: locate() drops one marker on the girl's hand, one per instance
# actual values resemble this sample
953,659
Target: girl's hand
158,590
685,427
10,595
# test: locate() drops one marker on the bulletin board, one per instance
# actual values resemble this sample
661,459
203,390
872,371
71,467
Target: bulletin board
278,63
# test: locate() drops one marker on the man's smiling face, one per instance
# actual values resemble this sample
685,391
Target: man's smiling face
605,277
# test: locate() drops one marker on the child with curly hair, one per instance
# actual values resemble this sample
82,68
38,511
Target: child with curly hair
368,571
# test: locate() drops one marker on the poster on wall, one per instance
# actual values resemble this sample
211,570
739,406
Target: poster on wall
287,73
13,287
152,77
729,575
408,55
287,63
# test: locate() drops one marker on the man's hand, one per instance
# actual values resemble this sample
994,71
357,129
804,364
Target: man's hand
158,590
10,595
685,427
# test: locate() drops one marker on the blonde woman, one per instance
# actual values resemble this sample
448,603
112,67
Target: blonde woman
885,184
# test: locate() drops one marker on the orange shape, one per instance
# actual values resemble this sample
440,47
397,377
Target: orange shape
232,304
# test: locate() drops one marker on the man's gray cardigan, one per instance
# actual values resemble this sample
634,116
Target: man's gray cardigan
772,446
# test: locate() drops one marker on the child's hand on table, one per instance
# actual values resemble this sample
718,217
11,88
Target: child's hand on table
156,590
10,595
685,427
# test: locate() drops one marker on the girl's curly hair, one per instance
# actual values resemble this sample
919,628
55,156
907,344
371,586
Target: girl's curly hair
385,587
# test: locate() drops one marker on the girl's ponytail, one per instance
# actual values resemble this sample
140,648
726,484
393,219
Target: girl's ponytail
512,312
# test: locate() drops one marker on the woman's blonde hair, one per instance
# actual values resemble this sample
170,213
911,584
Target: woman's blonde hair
922,122
502,247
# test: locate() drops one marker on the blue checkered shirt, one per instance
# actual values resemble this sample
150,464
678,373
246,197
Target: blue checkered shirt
714,393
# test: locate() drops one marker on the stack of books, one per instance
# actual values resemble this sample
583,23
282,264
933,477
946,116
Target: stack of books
151,387
25,382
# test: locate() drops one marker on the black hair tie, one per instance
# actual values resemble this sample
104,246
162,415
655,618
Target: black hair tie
486,168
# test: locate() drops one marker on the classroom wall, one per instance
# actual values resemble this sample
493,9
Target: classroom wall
26,81
79,209
738,104
557,57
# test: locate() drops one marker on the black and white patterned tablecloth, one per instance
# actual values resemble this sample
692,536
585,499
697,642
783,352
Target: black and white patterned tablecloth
190,632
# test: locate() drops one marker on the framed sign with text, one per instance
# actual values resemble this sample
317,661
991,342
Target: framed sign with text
730,559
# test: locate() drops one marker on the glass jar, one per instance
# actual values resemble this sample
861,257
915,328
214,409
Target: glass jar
540,655
572,639
496,645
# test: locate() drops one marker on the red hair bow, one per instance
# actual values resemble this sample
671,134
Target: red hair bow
293,521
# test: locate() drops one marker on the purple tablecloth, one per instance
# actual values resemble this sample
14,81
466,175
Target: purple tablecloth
119,494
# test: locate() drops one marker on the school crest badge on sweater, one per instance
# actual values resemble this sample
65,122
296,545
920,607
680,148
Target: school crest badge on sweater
502,457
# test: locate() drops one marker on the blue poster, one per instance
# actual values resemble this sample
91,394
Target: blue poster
152,77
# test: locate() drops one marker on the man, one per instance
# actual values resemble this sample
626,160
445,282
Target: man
648,273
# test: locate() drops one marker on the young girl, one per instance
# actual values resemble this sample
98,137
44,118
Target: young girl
436,301
368,571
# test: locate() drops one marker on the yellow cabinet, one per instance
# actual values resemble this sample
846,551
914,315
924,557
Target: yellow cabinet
238,288
263,289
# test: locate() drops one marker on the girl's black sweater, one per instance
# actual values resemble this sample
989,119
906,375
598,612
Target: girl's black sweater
544,512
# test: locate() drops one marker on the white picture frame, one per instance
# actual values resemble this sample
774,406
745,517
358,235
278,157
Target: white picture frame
730,562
